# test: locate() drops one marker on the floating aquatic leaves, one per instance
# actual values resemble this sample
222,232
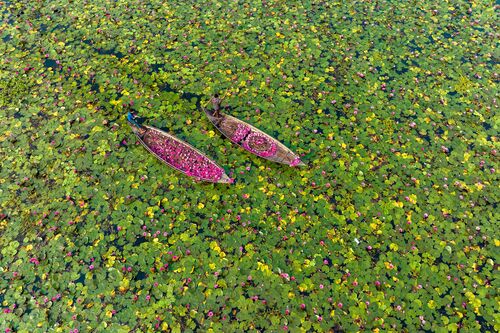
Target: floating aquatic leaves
390,227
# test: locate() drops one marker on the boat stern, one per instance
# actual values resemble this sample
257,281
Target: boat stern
301,164
224,179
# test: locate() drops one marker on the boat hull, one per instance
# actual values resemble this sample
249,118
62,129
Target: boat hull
252,139
179,155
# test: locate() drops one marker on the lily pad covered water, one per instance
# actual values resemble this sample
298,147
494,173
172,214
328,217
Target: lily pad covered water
393,226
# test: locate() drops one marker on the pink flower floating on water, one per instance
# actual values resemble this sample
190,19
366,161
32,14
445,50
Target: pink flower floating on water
182,156
259,144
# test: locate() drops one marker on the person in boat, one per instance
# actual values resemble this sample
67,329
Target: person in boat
216,104
131,117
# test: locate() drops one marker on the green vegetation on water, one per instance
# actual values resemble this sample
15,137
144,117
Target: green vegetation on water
391,226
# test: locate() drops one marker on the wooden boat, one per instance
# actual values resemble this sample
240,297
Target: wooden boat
177,153
251,138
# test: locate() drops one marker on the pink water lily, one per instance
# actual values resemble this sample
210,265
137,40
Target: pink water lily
259,144
240,133
295,162
182,157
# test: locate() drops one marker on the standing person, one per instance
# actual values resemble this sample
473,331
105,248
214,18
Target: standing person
216,104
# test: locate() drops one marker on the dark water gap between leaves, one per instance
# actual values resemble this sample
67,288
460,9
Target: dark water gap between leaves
103,51
6,12
50,63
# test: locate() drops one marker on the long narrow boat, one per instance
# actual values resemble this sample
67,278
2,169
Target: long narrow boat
251,138
177,153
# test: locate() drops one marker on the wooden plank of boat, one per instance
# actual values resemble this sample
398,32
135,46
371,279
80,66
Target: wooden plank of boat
252,139
178,154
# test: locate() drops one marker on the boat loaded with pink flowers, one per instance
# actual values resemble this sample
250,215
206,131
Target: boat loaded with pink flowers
177,153
251,138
